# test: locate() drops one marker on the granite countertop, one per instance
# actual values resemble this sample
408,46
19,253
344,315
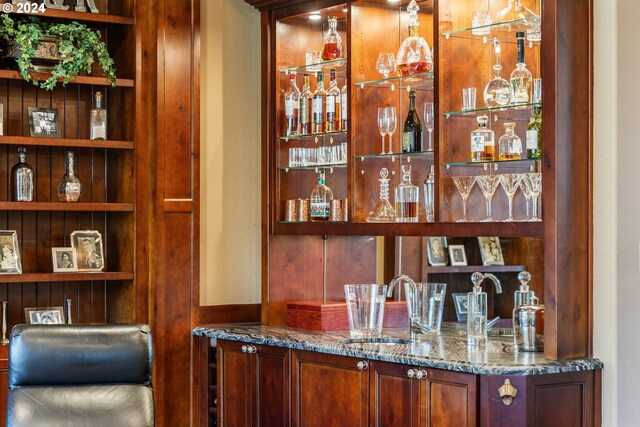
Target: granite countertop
445,350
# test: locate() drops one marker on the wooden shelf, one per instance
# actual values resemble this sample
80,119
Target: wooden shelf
81,80
65,142
70,207
474,268
65,277
81,16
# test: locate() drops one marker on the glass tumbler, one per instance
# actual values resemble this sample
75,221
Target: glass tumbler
365,308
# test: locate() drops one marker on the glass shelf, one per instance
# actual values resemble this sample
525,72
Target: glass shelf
338,64
531,164
313,222
490,110
419,155
315,167
422,81
502,31
314,136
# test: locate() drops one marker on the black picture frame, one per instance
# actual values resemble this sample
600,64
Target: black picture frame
44,122
460,302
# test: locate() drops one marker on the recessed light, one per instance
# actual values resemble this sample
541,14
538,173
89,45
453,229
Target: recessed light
393,1
344,9
315,16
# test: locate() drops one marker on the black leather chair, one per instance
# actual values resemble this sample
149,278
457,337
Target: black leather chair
80,375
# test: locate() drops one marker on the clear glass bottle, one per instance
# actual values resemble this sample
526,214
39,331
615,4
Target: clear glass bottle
69,188
344,106
509,145
334,102
407,197
482,142
98,120
383,212
520,77
497,93
414,55
514,11
429,195
318,113
412,129
292,107
306,101
332,42
320,200
22,179
534,134
523,295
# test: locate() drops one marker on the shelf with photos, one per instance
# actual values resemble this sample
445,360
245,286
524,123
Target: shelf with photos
473,268
80,80
65,142
419,81
503,31
66,206
80,276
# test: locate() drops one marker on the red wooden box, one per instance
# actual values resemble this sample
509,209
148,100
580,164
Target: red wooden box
332,315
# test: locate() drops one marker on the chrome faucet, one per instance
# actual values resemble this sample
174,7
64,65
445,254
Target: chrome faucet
477,279
415,327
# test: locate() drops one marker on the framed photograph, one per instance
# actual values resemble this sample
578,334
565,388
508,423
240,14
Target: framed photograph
89,250
457,255
44,122
44,315
436,251
460,302
491,251
64,259
9,253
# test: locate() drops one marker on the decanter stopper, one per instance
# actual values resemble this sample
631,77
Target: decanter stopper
524,277
413,9
476,279
384,184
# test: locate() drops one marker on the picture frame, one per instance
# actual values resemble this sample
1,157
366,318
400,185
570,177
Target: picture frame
89,250
44,122
64,260
436,252
457,255
460,302
44,315
9,253
491,251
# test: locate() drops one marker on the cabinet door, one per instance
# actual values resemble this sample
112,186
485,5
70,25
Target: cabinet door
452,399
396,398
329,390
234,385
272,386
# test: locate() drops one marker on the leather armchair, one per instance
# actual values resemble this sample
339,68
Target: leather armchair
80,375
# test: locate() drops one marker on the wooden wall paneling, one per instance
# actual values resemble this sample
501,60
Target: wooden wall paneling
348,260
232,313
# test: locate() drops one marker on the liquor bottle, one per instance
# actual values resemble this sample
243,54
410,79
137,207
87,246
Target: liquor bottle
320,200
98,120
344,106
69,188
534,135
509,145
407,197
412,130
414,55
429,194
334,104
332,46
482,142
520,77
292,107
497,93
318,116
22,179
306,100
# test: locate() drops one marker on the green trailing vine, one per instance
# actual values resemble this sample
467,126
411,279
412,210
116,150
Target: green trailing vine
78,45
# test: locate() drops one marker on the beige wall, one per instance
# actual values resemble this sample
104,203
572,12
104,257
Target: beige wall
230,153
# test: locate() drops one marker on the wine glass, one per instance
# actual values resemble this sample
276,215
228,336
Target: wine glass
383,124
536,189
392,120
429,120
510,183
464,184
488,185
385,64
525,187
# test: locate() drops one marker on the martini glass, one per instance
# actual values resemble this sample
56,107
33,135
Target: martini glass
464,184
488,185
536,189
510,183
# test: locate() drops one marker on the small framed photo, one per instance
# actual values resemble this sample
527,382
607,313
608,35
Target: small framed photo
89,250
436,251
44,122
44,315
9,253
457,255
64,259
491,251
461,303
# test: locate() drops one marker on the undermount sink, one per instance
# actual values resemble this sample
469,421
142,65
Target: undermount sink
376,340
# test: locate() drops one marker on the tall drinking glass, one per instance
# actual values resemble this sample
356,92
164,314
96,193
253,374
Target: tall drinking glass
510,183
464,184
488,185
536,189
525,187
429,121
431,299
392,120
383,124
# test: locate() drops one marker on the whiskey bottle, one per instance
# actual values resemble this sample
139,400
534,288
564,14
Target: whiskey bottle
69,188
319,116
520,77
98,120
412,130
292,107
344,106
306,99
534,135
22,179
482,142
509,145
320,200
334,102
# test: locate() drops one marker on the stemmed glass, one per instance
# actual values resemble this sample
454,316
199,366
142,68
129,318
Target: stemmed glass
392,121
429,120
488,185
383,124
385,64
536,189
464,184
525,187
510,183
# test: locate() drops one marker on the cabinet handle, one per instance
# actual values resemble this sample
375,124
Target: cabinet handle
244,348
411,373
421,375
507,392
252,349
363,365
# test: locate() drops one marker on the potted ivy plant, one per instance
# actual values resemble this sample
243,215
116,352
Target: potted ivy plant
70,47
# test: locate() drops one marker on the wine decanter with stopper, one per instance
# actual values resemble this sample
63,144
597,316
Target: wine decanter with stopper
383,212
69,188
497,93
414,55
332,46
477,309
406,197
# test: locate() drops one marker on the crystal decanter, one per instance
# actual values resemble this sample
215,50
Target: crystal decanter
407,197
69,188
520,77
414,55
515,17
332,46
497,93
383,212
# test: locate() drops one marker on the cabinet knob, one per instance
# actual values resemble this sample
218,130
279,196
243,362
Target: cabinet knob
252,349
363,365
244,348
507,392
421,375
411,373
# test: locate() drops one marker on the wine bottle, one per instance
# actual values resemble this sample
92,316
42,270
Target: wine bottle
306,99
412,130
334,99
292,106
319,116
98,120
22,179
320,200
534,135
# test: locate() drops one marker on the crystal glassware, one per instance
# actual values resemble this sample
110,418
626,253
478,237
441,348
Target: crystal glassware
414,55
320,200
488,185
464,184
429,195
525,187
509,145
98,119
520,77
497,93
469,99
383,124
482,142
383,212
429,122
392,124
385,64
479,21
69,188
515,16
536,189
406,197
510,183
22,179
332,43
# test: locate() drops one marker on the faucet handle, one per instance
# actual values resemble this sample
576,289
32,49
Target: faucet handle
477,278
524,277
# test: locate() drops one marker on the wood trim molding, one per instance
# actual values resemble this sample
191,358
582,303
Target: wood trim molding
232,313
